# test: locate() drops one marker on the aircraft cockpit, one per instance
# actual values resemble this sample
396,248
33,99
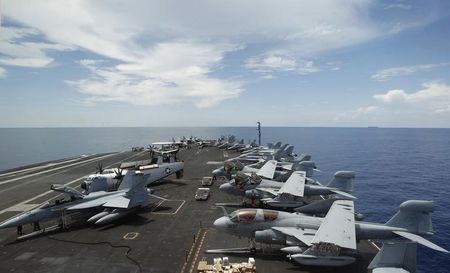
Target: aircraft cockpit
247,216
60,201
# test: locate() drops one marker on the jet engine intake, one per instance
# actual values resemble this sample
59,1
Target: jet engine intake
269,236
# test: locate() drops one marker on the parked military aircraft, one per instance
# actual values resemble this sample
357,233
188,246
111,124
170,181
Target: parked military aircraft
307,238
130,195
231,167
109,179
289,194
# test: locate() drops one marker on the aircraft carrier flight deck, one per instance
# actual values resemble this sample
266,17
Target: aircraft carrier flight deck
171,236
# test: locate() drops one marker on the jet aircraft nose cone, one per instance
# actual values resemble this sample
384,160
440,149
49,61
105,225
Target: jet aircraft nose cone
13,222
218,172
221,223
225,187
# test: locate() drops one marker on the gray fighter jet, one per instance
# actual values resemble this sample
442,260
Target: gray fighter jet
264,168
289,194
327,241
292,193
130,195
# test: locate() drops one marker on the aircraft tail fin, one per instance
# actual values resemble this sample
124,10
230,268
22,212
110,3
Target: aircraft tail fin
283,148
304,157
396,255
343,180
133,180
306,166
415,216
289,150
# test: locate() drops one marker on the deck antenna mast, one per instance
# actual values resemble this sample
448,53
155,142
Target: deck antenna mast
259,132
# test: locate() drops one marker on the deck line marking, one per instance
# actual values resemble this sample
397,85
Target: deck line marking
190,251
214,162
50,164
50,191
171,213
199,247
157,205
55,169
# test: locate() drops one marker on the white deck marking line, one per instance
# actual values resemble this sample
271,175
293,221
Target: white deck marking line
50,191
170,213
50,164
22,207
214,162
159,197
55,169
39,196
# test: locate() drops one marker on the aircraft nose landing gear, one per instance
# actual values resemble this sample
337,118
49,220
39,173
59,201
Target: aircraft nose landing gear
19,231
36,226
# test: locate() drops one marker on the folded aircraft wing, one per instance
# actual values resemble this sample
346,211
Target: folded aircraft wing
271,191
303,235
338,226
295,185
268,170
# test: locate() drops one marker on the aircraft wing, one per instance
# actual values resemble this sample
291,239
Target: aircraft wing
303,235
268,170
118,202
295,185
271,191
345,194
338,226
88,204
420,240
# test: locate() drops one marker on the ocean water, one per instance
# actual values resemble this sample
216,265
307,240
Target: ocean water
391,165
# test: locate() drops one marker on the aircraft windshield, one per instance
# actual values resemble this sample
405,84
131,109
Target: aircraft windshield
246,216
270,215
234,216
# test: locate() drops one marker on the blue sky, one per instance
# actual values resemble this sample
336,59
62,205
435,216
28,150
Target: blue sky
225,63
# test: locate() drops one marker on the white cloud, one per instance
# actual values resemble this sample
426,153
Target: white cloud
397,6
388,73
162,46
15,51
170,73
278,62
2,72
333,66
434,96
356,114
